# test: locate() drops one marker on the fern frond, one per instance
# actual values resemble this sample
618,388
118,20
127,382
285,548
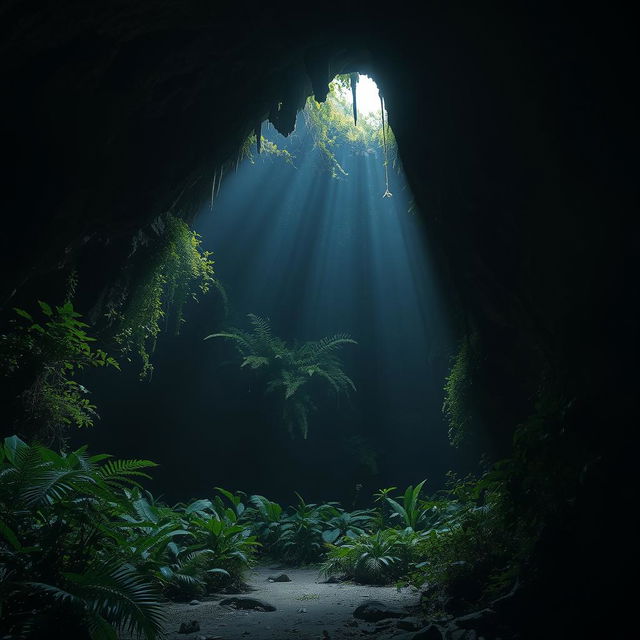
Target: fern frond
254,362
122,597
291,383
119,471
55,485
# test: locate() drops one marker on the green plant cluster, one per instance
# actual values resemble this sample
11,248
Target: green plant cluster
268,149
458,389
84,550
291,370
329,131
84,547
172,271
332,126
41,354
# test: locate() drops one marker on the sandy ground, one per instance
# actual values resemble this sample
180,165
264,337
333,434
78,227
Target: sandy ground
306,607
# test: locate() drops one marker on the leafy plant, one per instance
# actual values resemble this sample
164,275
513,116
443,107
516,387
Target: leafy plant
171,271
410,512
377,558
57,556
266,520
41,356
231,548
291,370
300,541
344,523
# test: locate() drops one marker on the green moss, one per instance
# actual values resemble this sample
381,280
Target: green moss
458,388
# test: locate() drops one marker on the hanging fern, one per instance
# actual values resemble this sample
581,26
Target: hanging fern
290,370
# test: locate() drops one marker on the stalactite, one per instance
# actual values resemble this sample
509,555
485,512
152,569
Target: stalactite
354,84
213,190
387,193
258,136
220,180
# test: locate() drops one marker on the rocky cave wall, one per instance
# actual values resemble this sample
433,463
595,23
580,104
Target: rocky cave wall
514,126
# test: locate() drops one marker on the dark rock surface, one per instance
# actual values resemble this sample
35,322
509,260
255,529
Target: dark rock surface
524,166
373,611
247,603
282,577
189,627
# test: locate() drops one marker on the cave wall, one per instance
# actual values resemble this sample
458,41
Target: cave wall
515,125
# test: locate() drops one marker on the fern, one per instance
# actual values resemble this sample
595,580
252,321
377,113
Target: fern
290,370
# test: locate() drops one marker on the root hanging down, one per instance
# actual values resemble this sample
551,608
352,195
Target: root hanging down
387,193
258,136
353,80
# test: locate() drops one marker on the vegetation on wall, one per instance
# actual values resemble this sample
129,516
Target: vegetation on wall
291,371
458,389
329,135
41,353
169,273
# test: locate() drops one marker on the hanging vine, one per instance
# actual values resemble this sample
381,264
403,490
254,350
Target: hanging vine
171,271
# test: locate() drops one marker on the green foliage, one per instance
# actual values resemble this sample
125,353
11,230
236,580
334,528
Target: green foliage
171,272
300,540
409,510
329,135
290,371
458,388
44,352
377,558
56,556
268,150
84,548
267,518
343,523
332,127
474,554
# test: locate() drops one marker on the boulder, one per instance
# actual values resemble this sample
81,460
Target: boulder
282,577
430,632
483,620
247,603
409,624
372,611
189,627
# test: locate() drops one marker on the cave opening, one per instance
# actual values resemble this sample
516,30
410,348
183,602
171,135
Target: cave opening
304,240
276,330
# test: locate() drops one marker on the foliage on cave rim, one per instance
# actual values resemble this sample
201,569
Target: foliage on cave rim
330,126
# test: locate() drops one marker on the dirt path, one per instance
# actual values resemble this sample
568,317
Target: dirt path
305,609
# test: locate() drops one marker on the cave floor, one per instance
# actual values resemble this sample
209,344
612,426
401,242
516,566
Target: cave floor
306,609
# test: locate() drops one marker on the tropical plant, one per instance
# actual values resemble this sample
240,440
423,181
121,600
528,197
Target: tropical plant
59,564
266,520
41,355
377,558
344,523
409,510
300,540
291,370
231,547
